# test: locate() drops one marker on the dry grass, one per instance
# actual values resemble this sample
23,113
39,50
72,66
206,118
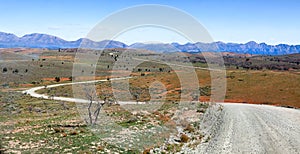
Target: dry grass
259,87
280,88
264,87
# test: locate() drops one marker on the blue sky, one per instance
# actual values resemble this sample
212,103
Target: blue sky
240,21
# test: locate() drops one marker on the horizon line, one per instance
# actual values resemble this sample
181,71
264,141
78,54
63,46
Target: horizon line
154,42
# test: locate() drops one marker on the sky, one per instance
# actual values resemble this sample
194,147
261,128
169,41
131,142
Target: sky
238,21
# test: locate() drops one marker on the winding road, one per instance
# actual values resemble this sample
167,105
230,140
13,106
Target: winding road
32,92
248,128
239,128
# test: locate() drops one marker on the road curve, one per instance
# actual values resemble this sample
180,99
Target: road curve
32,92
248,128
239,128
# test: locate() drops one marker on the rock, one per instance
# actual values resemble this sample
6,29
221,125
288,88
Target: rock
37,109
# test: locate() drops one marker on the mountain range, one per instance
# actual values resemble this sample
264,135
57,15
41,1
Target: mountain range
37,40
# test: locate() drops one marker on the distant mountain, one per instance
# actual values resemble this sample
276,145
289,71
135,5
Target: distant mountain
36,40
159,47
41,40
248,48
7,37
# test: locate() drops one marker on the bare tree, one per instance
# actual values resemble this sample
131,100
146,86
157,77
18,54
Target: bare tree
95,105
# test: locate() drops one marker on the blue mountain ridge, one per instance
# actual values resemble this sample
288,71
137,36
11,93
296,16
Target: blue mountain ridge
37,40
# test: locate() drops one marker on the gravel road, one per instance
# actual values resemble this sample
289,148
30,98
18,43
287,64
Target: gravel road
247,128
238,128
32,92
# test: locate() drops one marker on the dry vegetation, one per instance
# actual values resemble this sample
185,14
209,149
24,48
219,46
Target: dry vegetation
46,126
243,86
35,125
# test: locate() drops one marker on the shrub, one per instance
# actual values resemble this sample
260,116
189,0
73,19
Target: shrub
16,71
4,70
146,151
58,130
184,138
57,79
74,132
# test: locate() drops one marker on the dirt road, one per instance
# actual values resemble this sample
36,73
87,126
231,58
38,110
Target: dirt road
238,128
32,92
246,128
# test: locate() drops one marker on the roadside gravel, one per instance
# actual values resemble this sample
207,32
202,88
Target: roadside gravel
247,128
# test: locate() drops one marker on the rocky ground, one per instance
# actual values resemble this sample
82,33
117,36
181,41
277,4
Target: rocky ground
35,125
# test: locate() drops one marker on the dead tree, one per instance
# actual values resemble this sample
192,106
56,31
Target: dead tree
93,103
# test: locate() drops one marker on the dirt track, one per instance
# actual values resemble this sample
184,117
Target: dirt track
238,128
32,92
246,128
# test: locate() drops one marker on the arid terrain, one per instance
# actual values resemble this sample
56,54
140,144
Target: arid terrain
30,124
149,77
